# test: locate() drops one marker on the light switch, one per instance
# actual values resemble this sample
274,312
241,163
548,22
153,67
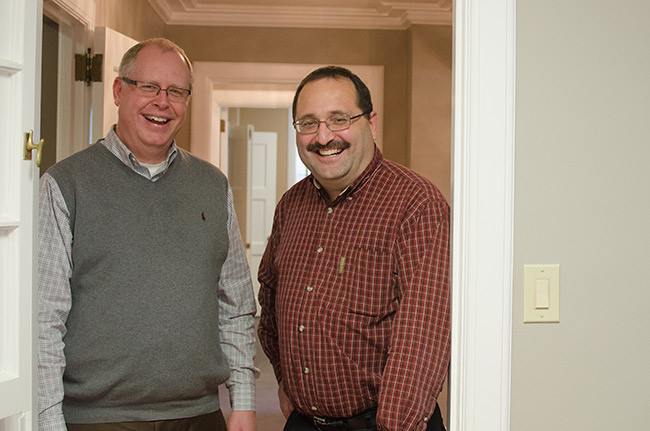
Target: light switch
541,293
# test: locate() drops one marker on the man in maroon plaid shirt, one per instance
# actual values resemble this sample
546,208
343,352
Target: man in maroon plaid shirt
354,280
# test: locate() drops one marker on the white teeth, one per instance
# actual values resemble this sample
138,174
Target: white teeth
156,119
330,152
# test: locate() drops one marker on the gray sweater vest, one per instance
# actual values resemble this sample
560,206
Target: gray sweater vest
142,338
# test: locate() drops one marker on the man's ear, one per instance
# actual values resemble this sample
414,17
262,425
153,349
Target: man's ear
117,90
373,124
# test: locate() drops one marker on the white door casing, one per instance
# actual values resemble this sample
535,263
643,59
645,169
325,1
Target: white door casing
483,205
20,53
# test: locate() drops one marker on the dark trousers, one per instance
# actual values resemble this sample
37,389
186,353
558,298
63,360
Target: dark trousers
210,422
298,422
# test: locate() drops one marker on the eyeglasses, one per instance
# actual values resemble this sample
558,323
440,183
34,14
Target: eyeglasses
152,90
335,123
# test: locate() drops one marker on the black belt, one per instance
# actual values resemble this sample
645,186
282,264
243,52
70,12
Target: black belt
363,421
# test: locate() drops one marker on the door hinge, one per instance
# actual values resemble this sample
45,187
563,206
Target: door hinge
88,68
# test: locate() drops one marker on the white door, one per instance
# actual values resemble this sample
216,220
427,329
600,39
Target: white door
20,34
262,157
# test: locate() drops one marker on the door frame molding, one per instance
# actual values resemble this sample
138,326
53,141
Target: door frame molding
74,97
483,207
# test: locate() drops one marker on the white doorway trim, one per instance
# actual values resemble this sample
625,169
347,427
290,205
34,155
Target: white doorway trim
483,205
255,85
74,97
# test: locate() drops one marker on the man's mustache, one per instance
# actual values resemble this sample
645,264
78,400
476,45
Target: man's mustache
332,145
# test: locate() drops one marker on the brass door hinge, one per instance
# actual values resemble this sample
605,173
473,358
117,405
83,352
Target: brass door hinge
88,68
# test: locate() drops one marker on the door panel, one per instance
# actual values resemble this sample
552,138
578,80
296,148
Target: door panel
20,34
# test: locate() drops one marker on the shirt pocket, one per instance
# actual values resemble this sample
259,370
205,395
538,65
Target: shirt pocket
359,320
369,283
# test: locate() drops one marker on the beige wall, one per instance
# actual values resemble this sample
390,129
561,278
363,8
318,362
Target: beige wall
582,186
430,104
133,18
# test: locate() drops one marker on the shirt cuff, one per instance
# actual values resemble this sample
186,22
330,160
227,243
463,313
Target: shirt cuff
242,397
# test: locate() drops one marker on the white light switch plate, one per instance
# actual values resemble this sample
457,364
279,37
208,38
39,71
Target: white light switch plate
541,293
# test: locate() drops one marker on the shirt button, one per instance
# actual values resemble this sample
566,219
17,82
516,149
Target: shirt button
349,198
314,408
426,419
306,370
301,328
310,288
330,210
319,249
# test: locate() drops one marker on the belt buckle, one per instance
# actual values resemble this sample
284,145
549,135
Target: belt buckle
324,424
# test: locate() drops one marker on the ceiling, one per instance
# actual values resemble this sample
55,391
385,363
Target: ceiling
357,14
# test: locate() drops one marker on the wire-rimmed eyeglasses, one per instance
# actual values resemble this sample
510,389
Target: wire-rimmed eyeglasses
152,90
335,123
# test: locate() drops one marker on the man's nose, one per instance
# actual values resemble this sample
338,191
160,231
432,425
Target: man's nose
162,98
324,134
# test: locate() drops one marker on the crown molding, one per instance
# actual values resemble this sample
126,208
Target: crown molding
69,11
373,15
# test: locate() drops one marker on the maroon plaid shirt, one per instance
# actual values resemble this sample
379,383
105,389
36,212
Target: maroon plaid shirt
355,299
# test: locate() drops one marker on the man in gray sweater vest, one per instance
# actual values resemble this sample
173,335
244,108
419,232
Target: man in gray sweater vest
145,301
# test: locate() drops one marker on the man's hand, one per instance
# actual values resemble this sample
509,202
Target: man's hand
285,403
242,420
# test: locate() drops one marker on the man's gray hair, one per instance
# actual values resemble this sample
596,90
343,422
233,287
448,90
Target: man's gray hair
128,60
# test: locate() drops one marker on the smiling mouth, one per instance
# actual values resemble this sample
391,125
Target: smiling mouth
157,120
330,152
332,149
